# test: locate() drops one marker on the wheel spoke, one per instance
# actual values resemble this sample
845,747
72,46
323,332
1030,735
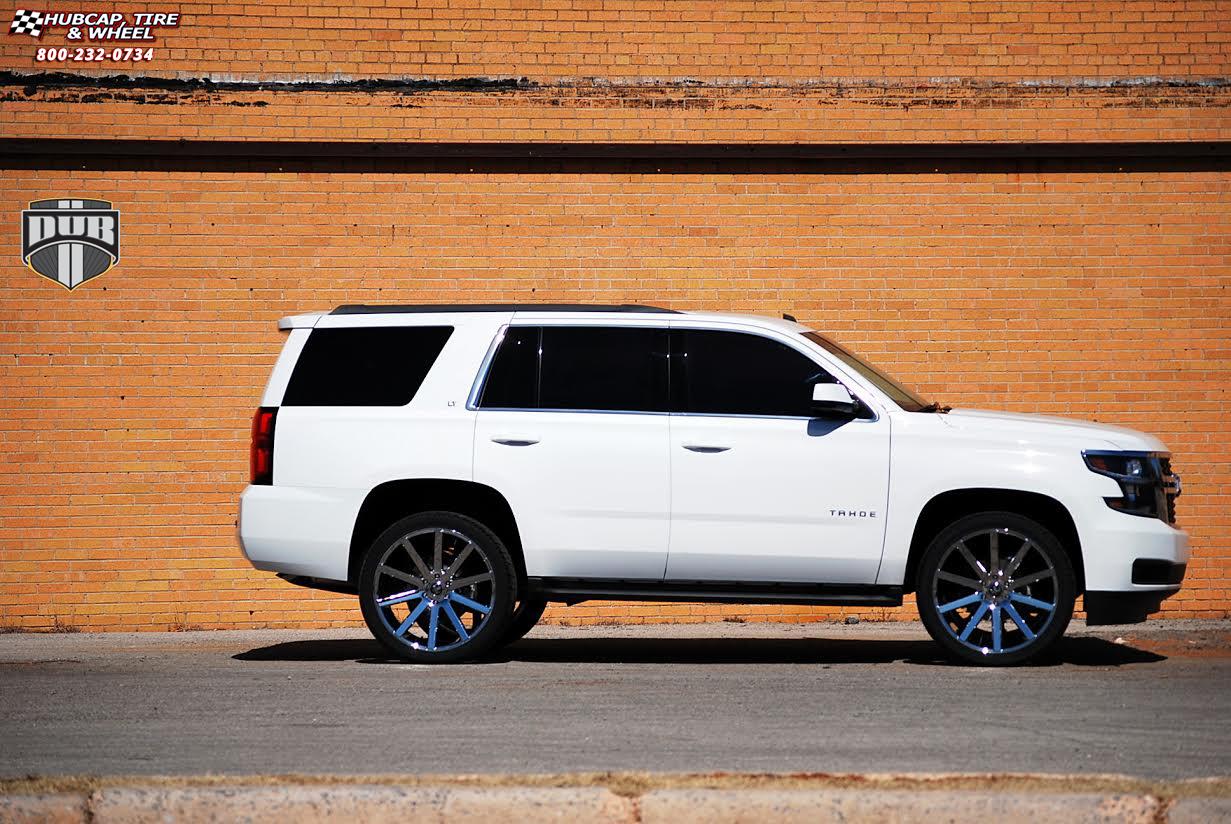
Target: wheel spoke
414,556
457,622
1032,602
1018,558
469,604
1011,611
458,561
997,628
438,550
399,598
385,569
969,583
974,622
1027,580
410,619
473,579
960,602
993,542
970,559
433,622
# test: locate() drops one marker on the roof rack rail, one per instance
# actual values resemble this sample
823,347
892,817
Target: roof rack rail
436,308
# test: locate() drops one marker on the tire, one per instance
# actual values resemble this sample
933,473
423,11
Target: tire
424,585
995,589
525,617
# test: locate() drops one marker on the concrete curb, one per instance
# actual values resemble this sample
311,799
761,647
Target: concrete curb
53,808
679,806
461,805
358,803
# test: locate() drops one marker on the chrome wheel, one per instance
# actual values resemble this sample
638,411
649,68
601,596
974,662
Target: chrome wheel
434,589
995,591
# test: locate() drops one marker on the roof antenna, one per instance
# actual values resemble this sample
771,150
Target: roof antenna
791,318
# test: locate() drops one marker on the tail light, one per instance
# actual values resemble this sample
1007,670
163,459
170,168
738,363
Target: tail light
261,458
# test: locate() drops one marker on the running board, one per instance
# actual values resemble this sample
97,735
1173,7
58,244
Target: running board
322,584
576,590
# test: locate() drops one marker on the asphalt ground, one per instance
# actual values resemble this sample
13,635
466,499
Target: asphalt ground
1151,701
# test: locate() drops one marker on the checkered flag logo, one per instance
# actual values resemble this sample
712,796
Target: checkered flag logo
27,22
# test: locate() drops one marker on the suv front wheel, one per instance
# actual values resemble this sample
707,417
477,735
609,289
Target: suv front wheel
995,588
438,587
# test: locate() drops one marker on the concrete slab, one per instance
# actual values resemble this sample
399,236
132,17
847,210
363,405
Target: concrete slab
888,807
52,808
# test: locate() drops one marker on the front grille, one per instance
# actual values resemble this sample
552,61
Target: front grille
1170,487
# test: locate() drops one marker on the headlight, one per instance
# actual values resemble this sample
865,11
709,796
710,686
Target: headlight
1140,477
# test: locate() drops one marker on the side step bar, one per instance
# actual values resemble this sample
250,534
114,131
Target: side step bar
341,587
576,590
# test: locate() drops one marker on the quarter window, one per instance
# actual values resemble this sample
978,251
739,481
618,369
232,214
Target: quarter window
364,366
733,373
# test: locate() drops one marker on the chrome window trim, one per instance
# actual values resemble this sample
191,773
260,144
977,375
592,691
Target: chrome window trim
671,414
472,400
567,411
875,417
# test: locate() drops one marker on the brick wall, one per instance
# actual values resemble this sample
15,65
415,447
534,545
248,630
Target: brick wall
709,39
1096,289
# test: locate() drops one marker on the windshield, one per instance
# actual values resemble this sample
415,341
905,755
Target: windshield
900,395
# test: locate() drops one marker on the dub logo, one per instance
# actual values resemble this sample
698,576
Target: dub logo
70,241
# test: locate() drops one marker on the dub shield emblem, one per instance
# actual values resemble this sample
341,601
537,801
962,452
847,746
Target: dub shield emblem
70,241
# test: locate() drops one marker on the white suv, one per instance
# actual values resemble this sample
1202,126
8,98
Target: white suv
460,466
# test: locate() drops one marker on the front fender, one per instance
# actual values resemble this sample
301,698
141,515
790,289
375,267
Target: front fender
924,468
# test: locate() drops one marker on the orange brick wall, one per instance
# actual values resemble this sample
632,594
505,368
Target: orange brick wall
125,404
754,40
1096,290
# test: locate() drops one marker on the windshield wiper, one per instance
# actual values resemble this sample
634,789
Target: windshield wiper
935,407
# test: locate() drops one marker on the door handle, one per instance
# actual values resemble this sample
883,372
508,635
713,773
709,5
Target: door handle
705,450
515,441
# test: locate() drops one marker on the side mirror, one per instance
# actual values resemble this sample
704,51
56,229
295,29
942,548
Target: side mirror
832,400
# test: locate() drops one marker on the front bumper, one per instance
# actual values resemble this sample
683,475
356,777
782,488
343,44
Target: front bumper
1128,553
1132,564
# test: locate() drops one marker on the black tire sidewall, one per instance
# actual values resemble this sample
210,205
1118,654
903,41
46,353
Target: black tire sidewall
1066,586
525,617
493,631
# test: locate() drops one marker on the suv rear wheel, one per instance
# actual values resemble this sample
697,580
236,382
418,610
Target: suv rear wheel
995,588
438,587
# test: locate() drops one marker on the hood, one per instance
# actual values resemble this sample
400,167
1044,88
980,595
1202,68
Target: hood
1041,428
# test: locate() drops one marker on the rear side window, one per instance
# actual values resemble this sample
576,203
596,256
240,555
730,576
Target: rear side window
376,366
590,368
619,369
733,373
513,378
